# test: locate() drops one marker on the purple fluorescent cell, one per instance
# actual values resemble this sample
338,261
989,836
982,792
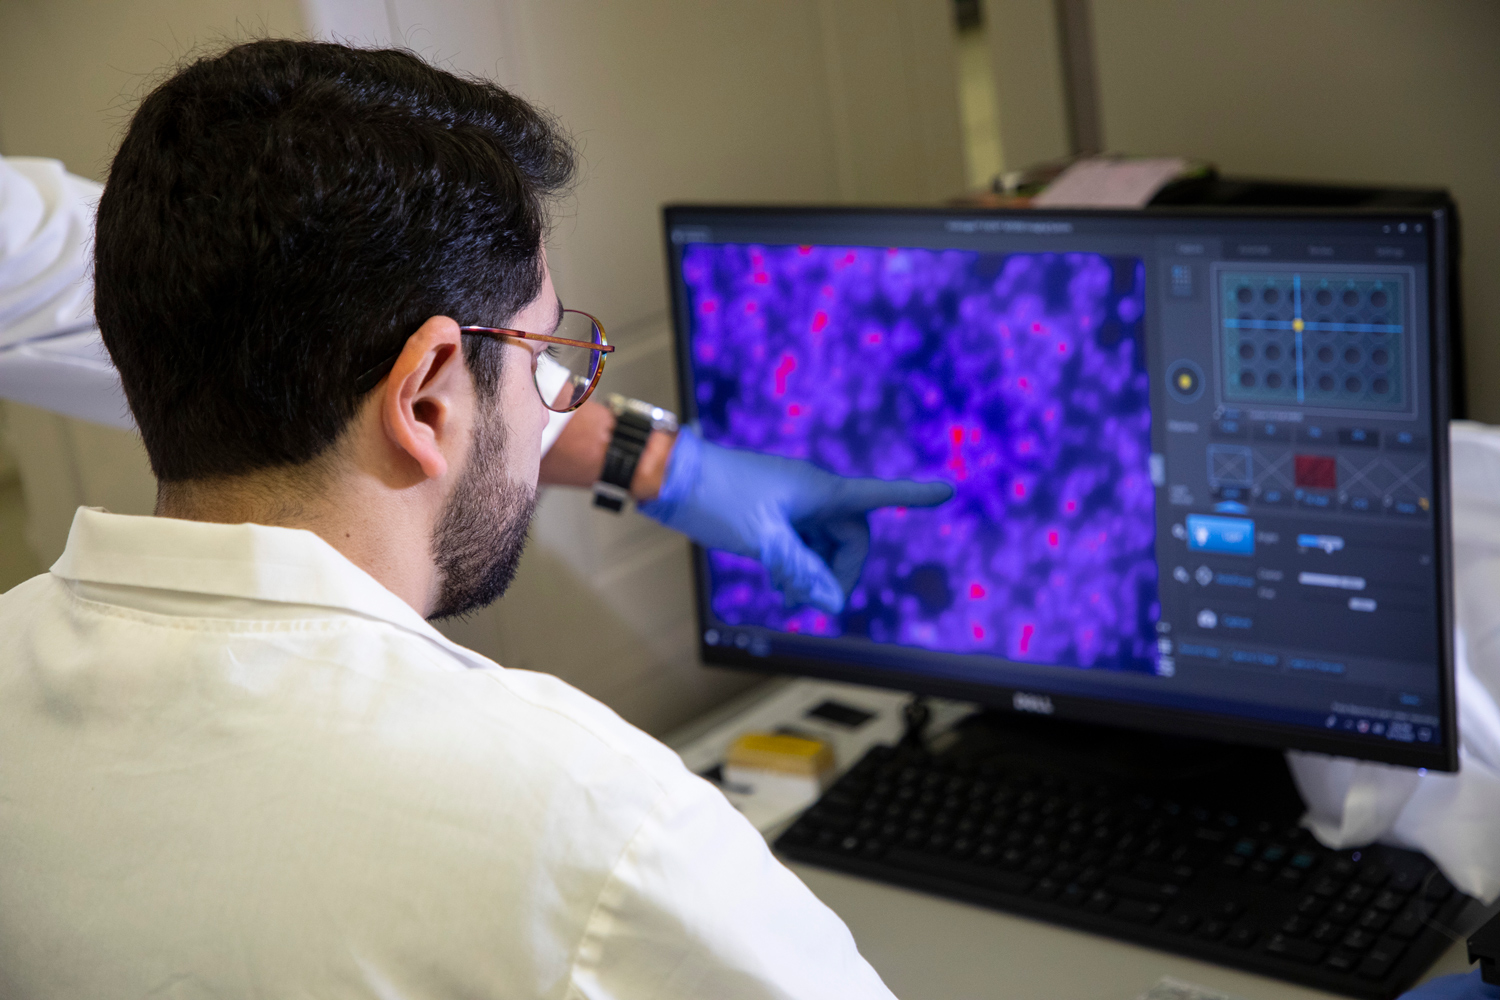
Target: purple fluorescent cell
1018,378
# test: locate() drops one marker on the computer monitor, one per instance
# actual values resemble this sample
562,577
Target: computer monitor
1200,458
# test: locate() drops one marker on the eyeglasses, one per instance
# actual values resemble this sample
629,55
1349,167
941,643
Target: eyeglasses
565,373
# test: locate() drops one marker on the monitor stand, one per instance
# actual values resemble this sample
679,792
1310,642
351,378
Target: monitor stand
1220,775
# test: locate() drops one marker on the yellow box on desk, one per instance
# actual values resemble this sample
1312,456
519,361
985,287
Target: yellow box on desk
760,758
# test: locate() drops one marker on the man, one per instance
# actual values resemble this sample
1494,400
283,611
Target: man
235,759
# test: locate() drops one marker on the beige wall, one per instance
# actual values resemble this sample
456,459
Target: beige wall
778,100
1401,92
70,70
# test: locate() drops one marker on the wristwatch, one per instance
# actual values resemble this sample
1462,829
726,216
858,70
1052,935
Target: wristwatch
634,422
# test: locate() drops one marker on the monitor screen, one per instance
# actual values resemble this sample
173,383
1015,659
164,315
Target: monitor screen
1198,469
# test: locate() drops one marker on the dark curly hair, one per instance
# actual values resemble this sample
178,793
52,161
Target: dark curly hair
280,217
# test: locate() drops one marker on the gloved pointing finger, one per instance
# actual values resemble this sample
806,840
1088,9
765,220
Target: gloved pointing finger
807,526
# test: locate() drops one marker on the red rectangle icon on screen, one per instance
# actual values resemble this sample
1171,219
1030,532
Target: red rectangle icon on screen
1317,472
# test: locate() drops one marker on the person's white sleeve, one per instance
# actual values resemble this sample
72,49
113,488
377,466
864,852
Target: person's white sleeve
51,355
698,907
551,377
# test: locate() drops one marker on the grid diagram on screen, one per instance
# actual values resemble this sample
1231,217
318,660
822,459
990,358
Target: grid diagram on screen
1314,337
1018,378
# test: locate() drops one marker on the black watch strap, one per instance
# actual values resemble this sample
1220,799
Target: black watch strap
624,453
634,422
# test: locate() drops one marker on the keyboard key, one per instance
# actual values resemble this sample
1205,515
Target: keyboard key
1374,875
1283,946
1358,940
991,878
1407,925
1227,909
1389,901
1374,920
1388,948
1327,886
1289,878
1341,961
1374,967
1073,894
1406,880
1311,906
1241,937
1358,894
1296,926
1139,888
1138,912
1047,888
1100,901
1342,913
1182,923
1327,933
1212,930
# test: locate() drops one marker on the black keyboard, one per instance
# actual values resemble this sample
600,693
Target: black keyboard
1253,891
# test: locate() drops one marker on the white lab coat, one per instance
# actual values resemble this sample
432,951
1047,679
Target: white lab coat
51,355
232,764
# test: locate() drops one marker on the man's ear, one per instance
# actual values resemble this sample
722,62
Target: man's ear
427,397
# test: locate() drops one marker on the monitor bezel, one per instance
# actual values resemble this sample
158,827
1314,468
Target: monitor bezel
1140,716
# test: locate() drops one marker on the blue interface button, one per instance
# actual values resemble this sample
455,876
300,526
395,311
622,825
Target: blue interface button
1232,536
1254,657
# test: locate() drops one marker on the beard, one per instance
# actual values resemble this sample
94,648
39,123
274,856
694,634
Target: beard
481,532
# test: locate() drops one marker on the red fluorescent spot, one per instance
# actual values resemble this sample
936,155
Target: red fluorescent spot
1049,415
957,434
900,511
1024,382
1024,447
749,307
1036,328
873,338
710,306
1062,348
849,257
762,277
794,626
1052,539
979,631
1070,506
973,435
945,530
787,366
756,258
1027,631
976,591
1020,489
820,622
820,320
891,251
804,250
794,410
827,291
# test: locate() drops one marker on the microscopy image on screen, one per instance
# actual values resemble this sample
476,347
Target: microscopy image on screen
1018,378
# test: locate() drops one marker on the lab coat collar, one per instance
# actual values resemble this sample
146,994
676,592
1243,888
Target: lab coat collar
251,561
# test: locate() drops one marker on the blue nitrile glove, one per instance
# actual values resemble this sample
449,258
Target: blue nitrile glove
1462,986
806,526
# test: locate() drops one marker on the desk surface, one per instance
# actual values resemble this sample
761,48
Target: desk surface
930,948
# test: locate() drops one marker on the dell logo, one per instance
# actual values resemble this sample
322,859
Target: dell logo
1038,703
